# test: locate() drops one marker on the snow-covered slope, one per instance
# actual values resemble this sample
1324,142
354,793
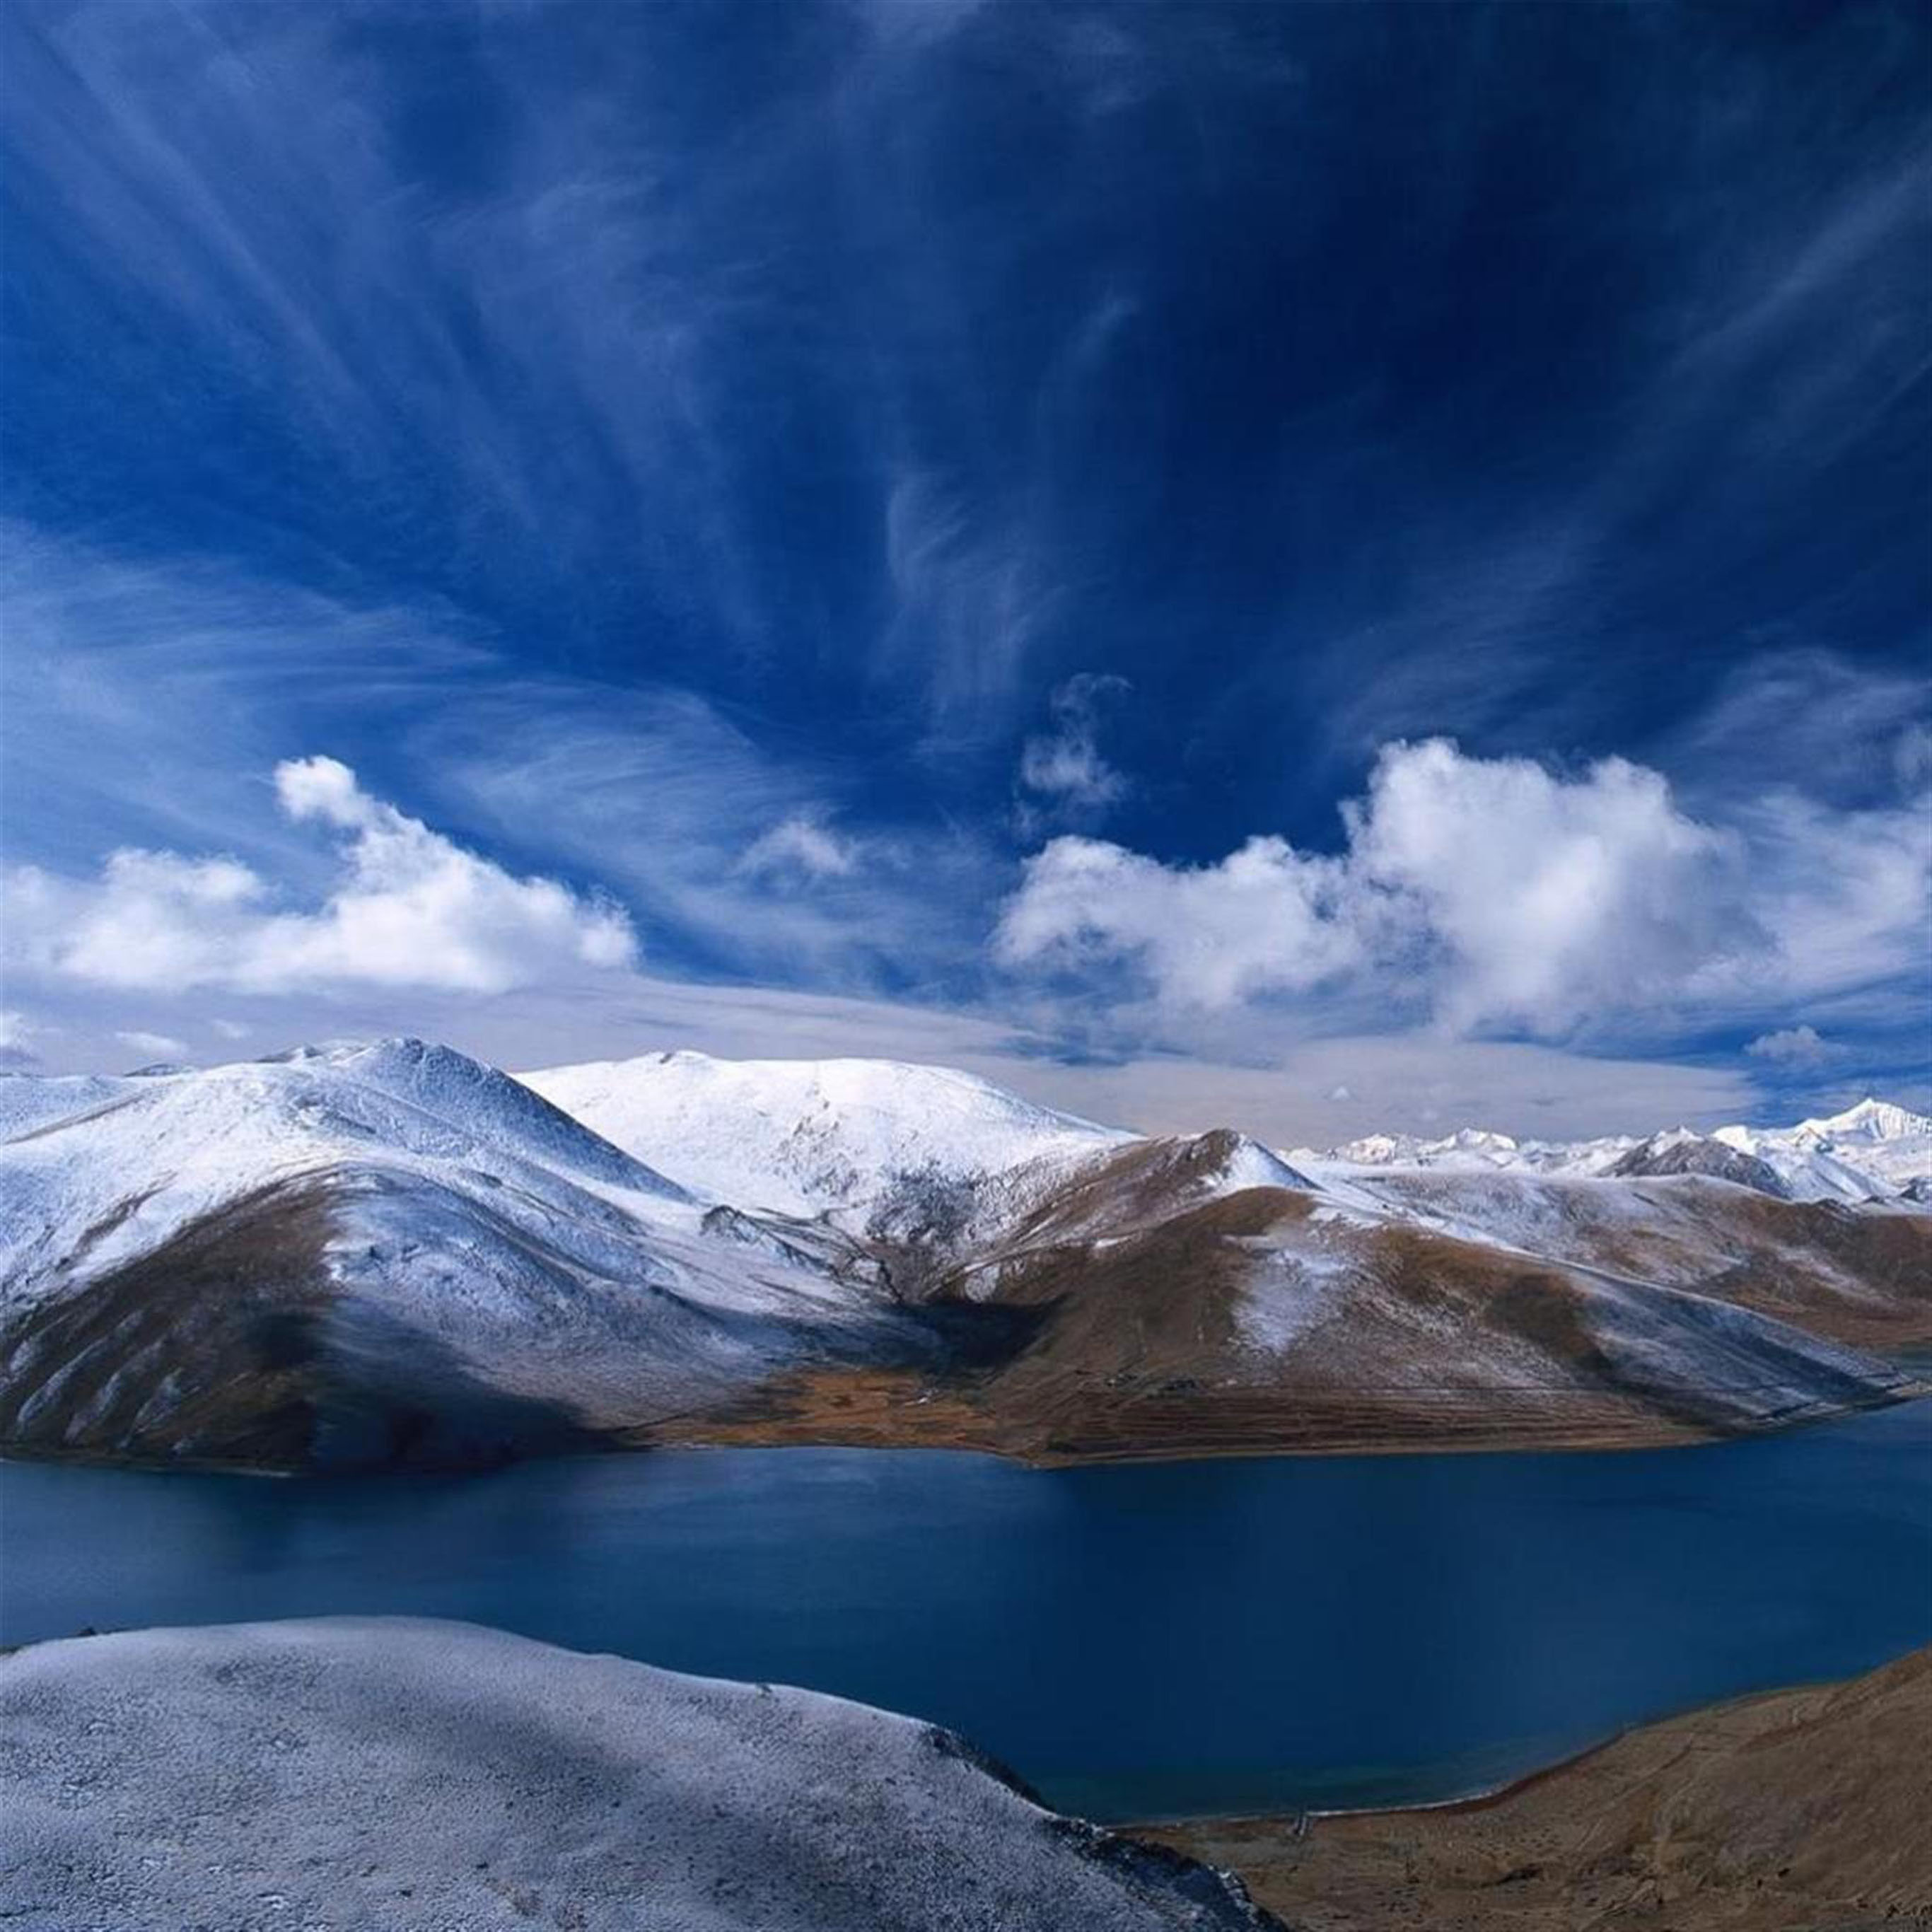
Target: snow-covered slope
1875,1151
27,1100
1870,1151
392,1226
365,1772
1851,1273
1432,1309
128,1164
810,1137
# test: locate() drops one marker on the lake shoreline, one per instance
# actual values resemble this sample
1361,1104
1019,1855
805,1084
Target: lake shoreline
1747,1811
911,1421
908,1420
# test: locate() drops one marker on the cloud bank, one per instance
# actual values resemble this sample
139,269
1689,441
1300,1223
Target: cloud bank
408,908
1492,894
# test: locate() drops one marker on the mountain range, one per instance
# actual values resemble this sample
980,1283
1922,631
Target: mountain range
1872,1152
375,1254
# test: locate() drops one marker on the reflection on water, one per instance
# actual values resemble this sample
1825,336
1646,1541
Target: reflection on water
1135,1641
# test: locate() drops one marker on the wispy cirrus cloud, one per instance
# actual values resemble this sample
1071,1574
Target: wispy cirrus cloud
1775,348
618,324
1063,769
1805,719
802,846
688,453
147,704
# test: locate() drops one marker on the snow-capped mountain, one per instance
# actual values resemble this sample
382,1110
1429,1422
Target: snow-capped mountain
1468,1151
307,1252
1681,1152
137,1160
1874,1152
810,1137
392,1252
1868,1152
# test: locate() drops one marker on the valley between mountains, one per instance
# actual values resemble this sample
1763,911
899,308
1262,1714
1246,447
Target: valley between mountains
391,1255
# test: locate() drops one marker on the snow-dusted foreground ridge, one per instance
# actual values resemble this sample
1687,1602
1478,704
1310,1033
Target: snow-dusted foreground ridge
386,1254
382,1775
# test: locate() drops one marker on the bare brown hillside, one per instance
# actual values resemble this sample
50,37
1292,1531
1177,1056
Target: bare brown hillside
1803,1809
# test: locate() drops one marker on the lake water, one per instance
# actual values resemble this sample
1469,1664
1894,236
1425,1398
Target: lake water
1136,1641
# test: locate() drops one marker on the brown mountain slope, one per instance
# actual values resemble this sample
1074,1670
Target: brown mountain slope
1805,1808
1167,1315
1860,1275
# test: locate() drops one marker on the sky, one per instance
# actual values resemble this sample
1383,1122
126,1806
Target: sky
1324,567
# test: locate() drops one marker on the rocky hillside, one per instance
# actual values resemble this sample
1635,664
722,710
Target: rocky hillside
366,1256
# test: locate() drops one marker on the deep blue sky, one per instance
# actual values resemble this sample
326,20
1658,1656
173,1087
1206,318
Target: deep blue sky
781,465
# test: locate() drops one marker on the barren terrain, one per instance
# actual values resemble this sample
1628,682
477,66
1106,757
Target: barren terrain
1802,1809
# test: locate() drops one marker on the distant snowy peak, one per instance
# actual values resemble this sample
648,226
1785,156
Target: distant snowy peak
1471,1146
1874,1151
1472,1150
1870,1121
807,1137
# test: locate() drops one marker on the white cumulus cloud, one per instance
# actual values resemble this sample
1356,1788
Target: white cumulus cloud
1496,895
409,908
1265,919
1790,1046
1553,899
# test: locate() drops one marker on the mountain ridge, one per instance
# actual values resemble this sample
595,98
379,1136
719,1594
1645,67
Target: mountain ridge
1875,1150
390,1252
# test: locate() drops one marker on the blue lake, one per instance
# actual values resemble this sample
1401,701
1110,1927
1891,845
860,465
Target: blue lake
1136,1641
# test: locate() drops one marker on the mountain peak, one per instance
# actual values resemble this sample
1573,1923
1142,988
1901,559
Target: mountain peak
802,1137
1870,1119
